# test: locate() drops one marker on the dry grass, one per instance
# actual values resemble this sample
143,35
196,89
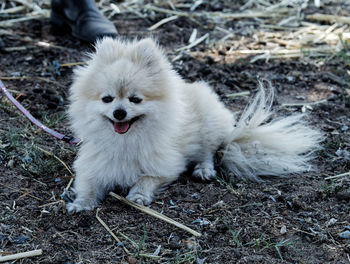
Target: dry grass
285,30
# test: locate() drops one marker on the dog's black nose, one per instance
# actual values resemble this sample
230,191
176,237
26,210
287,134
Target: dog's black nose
119,114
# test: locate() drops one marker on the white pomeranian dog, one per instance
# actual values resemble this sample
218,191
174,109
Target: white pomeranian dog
141,125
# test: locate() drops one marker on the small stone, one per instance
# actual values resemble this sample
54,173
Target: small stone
343,154
344,128
290,78
345,234
20,239
272,198
220,203
15,74
331,222
201,221
322,237
343,195
283,230
11,163
191,243
131,260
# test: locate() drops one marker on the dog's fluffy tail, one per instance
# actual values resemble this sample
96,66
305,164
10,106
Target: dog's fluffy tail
263,147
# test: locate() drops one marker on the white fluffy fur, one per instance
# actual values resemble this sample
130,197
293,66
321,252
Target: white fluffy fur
180,123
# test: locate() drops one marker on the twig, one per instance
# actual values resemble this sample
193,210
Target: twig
145,255
52,203
252,14
304,104
50,45
70,183
12,10
6,78
111,232
126,237
10,22
27,254
5,32
166,11
194,43
329,18
302,231
18,48
16,190
62,162
133,243
57,158
246,93
283,51
338,176
155,214
71,64
162,22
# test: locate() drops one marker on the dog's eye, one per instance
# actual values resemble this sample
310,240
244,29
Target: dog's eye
135,99
107,99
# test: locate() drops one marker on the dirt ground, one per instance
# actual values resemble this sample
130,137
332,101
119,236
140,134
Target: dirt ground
298,219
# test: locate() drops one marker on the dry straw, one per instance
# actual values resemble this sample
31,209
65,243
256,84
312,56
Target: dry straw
28,254
155,214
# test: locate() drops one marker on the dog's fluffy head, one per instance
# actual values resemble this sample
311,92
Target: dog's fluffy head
124,85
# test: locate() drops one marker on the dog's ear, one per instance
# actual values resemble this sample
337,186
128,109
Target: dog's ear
108,49
147,53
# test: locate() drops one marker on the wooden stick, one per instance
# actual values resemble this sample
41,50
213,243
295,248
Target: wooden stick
12,10
111,232
27,254
155,214
329,18
338,176
162,22
246,93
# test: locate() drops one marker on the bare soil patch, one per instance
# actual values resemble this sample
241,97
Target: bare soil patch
293,220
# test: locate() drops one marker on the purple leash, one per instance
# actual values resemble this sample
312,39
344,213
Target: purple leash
68,139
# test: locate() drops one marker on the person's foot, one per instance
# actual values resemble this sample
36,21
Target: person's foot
83,18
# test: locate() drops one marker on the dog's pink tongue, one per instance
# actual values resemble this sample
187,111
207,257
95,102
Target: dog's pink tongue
121,127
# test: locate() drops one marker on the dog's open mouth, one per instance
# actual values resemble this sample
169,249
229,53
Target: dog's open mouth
123,127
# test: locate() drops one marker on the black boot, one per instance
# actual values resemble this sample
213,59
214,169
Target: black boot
83,18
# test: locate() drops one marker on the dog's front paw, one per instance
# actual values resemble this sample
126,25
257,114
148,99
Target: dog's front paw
139,198
81,205
204,170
